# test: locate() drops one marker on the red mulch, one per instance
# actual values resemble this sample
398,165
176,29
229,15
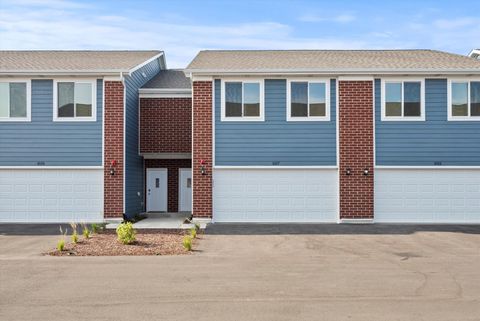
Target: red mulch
106,244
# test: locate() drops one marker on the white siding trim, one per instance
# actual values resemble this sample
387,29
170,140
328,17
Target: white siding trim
422,116
28,89
275,167
260,118
449,99
91,81
328,107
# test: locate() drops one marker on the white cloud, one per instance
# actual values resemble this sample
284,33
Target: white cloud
63,25
342,18
457,23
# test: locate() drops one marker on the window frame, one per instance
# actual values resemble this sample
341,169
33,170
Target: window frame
328,107
261,117
28,118
450,117
384,117
92,118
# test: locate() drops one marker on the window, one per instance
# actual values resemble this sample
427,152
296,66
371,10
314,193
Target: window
74,100
242,101
403,100
15,100
464,100
308,100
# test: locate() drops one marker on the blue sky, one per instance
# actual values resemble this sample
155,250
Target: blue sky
182,28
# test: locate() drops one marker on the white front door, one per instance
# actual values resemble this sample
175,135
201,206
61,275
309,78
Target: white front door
157,185
185,189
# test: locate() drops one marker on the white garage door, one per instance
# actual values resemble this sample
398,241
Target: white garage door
427,195
51,195
275,195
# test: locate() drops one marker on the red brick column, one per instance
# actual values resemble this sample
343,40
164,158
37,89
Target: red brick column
356,149
113,144
202,149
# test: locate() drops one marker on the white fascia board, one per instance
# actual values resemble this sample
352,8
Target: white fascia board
475,53
165,93
146,62
67,73
339,72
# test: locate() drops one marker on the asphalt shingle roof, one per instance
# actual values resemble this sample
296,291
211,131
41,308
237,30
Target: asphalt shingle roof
169,79
329,60
70,60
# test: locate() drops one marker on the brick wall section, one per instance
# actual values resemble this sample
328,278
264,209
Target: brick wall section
113,140
356,149
165,125
172,166
202,149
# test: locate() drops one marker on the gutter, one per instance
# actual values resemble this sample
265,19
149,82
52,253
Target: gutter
343,72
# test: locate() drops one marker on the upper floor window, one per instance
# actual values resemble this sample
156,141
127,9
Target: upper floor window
74,100
464,100
15,100
242,100
403,100
308,100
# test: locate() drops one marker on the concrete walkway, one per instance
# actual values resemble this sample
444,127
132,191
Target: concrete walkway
362,273
172,221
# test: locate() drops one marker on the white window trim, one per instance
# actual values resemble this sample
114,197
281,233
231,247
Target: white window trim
92,118
450,117
327,99
29,100
402,81
243,118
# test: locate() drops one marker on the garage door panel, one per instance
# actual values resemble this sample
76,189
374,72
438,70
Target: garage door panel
275,195
51,195
427,195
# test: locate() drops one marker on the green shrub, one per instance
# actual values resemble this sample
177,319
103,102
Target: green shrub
197,227
74,232
86,231
95,227
126,233
193,232
61,242
187,242
61,245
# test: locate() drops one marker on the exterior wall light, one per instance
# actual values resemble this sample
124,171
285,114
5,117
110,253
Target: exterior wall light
203,170
365,171
348,172
113,163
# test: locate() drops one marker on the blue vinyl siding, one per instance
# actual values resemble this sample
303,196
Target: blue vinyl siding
134,176
430,142
45,142
275,141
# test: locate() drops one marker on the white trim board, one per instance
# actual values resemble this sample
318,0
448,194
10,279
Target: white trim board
275,167
309,81
259,118
380,167
402,81
28,89
93,83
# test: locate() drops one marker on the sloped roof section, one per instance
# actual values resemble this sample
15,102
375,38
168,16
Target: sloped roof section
169,79
73,60
329,61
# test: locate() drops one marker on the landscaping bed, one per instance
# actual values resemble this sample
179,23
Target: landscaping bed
107,244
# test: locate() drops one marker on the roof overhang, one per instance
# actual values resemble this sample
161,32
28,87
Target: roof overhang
475,53
80,73
194,73
165,92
